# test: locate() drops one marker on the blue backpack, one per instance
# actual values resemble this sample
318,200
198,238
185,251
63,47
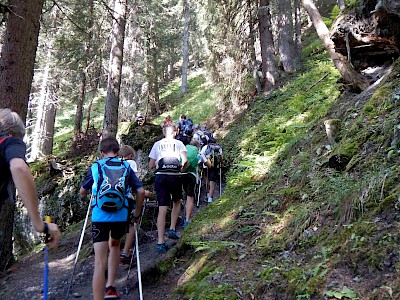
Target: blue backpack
111,186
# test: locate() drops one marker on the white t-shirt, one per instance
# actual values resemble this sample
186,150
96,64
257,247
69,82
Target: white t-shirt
167,153
133,165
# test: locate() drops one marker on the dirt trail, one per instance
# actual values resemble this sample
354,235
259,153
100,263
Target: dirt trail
24,280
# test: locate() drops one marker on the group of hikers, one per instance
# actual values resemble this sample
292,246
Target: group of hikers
180,160
176,160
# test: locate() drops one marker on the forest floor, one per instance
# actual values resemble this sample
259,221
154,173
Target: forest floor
24,280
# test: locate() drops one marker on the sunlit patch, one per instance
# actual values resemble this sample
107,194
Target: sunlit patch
192,270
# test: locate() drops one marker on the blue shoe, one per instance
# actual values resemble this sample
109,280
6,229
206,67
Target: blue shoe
186,224
162,248
172,234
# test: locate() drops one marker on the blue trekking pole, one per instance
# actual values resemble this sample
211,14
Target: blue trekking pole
47,219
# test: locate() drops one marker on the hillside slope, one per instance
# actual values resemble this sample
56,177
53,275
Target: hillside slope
303,217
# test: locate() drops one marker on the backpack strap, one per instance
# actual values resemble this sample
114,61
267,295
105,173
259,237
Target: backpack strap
2,139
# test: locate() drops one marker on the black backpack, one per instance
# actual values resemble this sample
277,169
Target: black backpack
213,150
187,127
5,187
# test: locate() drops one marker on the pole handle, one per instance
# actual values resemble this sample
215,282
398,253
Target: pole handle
47,219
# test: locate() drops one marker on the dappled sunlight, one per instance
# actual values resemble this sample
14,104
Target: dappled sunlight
192,270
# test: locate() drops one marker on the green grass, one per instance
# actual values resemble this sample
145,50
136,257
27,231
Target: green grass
198,104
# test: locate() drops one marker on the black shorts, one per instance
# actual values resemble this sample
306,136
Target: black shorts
168,187
189,184
213,174
101,231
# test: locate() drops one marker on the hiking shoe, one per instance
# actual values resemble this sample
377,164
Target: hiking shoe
210,200
111,293
172,234
124,259
162,248
186,224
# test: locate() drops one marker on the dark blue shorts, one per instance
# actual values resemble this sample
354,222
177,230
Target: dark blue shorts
168,187
189,184
101,231
213,174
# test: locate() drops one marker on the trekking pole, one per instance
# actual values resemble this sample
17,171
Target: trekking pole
47,219
79,247
140,224
220,181
138,263
198,195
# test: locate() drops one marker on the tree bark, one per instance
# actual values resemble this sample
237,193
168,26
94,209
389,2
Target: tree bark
252,41
18,54
185,48
269,67
16,72
348,73
287,53
110,125
49,121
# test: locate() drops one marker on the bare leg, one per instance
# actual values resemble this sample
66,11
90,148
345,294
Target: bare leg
130,237
162,215
113,262
189,207
176,210
100,262
212,189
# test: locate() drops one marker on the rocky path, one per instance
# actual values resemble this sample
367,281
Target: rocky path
24,280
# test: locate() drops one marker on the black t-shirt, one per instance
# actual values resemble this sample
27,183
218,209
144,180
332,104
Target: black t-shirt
10,148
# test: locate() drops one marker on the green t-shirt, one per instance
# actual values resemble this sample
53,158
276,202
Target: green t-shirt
193,157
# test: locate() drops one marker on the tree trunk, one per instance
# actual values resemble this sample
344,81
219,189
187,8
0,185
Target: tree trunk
348,73
252,41
83,75
110,125
297,26
269,67
16,72
49,121
185,48
287,54
18,54
40,134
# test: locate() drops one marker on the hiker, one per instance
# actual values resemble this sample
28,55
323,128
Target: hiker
185,130
128,153
110,213
13,166
168,158
190,177
214,152
201,135
167,120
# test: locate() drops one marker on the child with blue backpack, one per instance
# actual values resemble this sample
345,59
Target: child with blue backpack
110,180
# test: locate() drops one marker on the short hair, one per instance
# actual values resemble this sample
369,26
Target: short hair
109,144
11,123
126,150
183,117
195,142
169,127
